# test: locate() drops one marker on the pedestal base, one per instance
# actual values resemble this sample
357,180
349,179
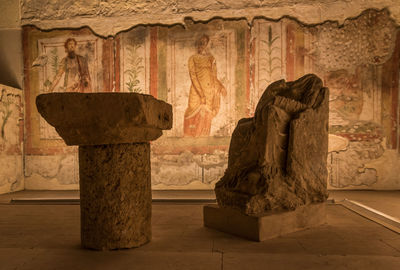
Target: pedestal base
264,227
115,191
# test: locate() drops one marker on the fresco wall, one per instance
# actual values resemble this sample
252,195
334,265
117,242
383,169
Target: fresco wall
11,139
59,61
213,74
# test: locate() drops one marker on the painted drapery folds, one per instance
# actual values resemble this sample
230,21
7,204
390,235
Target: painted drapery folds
205,91
277,158
214,74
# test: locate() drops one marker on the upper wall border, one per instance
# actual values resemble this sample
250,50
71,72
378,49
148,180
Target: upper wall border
306,11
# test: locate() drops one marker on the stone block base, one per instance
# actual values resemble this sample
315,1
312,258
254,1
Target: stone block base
269,225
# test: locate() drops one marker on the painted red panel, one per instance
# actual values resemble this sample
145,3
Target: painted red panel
153,62
117,67
290,51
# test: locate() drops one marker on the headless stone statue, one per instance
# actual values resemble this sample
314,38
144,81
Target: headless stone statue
277,159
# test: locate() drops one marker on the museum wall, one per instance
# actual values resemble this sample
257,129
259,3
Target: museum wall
146,47
11,99
357,58
11,72
11,139
110,17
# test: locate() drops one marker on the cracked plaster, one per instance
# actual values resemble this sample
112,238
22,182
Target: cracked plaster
337,143
51,172
188,170
107,18
362,166
11,177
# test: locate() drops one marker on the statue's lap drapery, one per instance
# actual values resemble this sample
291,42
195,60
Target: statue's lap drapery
277,159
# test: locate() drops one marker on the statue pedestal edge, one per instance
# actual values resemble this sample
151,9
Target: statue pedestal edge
267,226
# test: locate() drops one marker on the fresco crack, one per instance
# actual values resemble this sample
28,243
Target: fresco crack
187,168
349,169
6,101
11,168
15,184
61,170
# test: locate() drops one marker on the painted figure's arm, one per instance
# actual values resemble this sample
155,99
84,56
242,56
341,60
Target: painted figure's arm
57,78
195,81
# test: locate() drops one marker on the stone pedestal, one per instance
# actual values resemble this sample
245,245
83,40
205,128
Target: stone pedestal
263,227
115,191
113,131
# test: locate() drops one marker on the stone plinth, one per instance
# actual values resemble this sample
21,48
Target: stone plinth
113,131
271,224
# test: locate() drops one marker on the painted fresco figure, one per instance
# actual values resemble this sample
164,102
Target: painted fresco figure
75,68
346,97
205,91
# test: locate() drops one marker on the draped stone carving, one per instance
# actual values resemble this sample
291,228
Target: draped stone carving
277,159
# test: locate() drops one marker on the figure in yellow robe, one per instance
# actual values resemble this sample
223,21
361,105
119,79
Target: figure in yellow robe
205,91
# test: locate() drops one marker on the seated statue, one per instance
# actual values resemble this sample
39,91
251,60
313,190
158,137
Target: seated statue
277,159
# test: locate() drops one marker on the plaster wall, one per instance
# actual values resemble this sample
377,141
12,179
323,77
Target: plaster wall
358,60
110,17
11,98
11,139
11,72
361,73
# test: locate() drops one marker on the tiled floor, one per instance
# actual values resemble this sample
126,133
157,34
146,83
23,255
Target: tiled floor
387,202
48,237
158,195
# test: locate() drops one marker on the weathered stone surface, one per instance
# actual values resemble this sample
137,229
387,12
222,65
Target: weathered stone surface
114,176
115,191
277,159
105,118
109,17
266,226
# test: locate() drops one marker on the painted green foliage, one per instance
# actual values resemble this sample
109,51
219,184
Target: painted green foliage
273,63
5,110
54,62
136,67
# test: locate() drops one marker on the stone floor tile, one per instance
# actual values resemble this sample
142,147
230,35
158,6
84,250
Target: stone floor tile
244,261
